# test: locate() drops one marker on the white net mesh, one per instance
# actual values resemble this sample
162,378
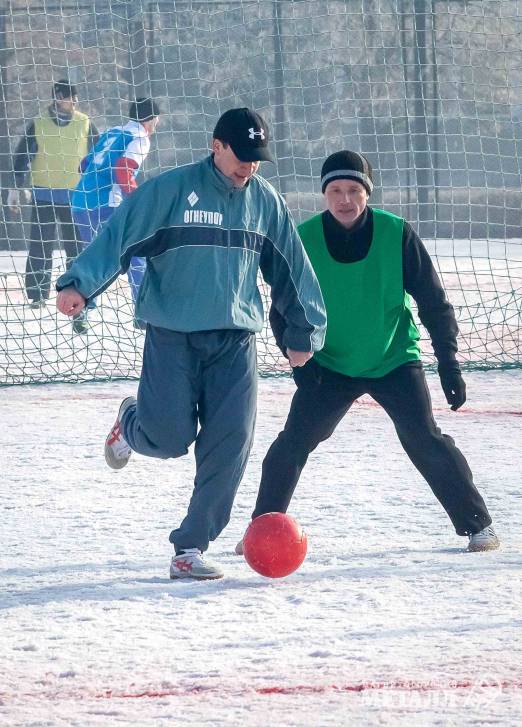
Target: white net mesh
429,90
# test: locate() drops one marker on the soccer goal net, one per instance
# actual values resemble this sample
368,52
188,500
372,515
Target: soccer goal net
429,90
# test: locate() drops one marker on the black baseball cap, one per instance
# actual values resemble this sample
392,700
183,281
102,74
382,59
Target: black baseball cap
246,132
143,109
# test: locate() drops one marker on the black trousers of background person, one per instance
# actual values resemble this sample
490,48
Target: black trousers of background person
322,399
44,233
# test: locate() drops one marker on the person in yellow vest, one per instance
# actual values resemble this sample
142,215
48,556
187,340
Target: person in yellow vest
368,263
49,154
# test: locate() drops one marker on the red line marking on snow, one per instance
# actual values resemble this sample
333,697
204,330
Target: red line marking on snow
446,410
485,412
358,402
402,685
399,685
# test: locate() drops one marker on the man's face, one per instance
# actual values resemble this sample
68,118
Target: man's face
346,199
66,105
151,125
232,167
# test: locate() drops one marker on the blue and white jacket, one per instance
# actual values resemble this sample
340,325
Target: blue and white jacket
205,241
98,186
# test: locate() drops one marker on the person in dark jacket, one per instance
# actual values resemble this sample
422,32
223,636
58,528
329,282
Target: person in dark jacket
206,230
368,263
49,154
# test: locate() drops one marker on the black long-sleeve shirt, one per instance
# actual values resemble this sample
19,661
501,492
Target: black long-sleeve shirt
420,280
27,147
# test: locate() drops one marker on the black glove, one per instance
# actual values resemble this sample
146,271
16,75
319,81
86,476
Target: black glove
453,385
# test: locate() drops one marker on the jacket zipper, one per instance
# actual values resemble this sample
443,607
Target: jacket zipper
230,197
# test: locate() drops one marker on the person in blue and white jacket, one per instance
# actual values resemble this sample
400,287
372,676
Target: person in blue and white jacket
109,174
205,229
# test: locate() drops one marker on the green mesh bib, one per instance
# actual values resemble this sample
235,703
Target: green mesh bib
370,325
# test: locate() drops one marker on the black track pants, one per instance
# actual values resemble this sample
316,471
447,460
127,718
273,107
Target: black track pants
321,401
44,234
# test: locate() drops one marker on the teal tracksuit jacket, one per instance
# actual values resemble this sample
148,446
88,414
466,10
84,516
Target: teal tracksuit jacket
204,242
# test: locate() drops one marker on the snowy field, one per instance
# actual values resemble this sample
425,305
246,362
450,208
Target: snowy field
388,621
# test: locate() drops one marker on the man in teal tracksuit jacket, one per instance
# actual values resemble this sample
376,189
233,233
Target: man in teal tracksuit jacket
205,229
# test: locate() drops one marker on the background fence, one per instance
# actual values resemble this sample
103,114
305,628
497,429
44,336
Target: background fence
429,90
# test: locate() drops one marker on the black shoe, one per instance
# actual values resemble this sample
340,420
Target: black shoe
38,303
80,324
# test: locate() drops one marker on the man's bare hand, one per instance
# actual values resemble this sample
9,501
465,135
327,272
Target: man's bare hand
17,198
70,302
13,201
298,358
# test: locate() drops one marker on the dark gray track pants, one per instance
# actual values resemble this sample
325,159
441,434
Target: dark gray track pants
207,378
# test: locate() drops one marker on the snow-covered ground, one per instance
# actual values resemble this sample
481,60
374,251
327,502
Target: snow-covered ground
388,621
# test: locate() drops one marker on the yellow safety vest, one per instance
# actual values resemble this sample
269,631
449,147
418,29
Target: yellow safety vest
60,151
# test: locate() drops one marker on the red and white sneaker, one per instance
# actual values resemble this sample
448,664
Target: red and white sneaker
117,451
191,564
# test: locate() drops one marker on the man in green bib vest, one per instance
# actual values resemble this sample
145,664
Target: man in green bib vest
49,154
368,263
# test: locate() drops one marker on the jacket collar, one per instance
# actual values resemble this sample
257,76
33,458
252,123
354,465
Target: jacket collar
339,232
60,119
219,180
135,127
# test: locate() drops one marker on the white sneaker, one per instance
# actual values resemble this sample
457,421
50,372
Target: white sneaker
192,564
117,451
486,539
238,550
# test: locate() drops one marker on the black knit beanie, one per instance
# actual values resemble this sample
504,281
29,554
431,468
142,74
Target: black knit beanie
347,165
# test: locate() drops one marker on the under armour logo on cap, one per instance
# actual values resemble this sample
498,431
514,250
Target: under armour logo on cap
252,133
246,132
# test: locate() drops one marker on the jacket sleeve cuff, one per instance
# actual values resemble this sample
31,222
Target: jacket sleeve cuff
448,366
297,340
